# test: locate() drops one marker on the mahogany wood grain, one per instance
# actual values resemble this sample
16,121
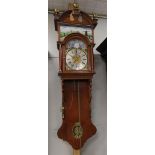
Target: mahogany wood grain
72,112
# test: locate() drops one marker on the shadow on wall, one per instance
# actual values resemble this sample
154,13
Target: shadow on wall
102,48
49,55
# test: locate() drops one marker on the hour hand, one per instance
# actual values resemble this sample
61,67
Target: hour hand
76,51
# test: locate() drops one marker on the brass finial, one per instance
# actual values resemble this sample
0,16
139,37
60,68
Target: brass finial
75,5
56,11
94,15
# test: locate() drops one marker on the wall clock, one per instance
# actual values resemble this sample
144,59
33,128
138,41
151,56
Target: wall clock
76,69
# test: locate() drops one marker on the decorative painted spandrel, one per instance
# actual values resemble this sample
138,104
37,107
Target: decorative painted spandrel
66,30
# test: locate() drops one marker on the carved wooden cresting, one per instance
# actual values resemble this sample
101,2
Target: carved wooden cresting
76,69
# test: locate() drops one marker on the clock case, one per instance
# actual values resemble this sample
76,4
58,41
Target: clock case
76,74
76,84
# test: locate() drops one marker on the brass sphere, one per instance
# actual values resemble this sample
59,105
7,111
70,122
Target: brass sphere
56,10
76,5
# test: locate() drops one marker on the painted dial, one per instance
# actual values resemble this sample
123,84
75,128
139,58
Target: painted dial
76,58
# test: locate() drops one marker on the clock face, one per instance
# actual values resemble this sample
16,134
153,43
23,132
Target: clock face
76,56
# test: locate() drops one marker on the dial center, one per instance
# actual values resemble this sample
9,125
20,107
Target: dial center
76,59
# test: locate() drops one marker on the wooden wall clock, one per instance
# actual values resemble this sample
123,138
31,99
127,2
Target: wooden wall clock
76,69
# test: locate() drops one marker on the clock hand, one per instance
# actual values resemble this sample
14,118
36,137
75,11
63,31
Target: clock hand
76,52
